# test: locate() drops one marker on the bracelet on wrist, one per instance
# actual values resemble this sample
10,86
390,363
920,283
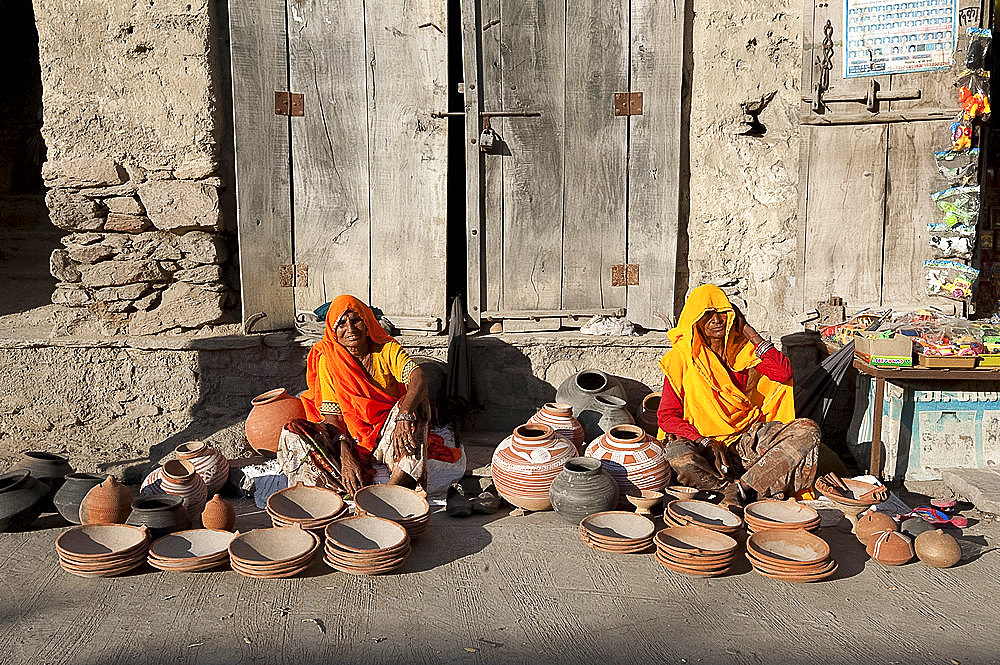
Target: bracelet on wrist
406,417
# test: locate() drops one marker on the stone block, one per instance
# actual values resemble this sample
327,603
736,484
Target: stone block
182,305
62,268
117,306
70,296
203,247
980,486
127,292
125,205
148,302
200,275
90,253
181,205
73,212
196,168
84,172
81,238
126,223
120,273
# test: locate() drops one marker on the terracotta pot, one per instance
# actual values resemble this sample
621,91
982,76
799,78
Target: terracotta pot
890,548
271,411
582,488
938,549
871,523
647,414
22,499
559,417
633,458
49,468
582,389
161,514
209,463
218,514
107,503
69,497
525,464
178,477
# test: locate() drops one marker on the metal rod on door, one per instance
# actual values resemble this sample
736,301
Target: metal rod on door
494,114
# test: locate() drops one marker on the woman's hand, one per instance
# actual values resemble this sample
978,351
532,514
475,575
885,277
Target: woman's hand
403,442
742,326
722,460
350,466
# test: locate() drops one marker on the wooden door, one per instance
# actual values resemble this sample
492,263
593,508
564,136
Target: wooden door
866,177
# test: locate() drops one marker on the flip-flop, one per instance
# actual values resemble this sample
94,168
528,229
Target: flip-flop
935,516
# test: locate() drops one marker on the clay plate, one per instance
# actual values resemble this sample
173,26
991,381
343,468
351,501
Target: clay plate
695,539
788,547
101,541
191,544
304,502
618,524
813,577
365,534
391,502
276,545
691,571
704,514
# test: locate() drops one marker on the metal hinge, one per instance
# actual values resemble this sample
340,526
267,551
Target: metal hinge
289,103
293,275
625,274
628,103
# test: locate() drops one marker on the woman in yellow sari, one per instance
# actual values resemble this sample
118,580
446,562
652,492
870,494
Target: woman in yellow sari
727,411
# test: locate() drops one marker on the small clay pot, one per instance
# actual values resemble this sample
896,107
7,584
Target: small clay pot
890,548
49,468
647,414
22,499
69,497
871,523
107,503
209,463
218,514
178,477
938,549
162,514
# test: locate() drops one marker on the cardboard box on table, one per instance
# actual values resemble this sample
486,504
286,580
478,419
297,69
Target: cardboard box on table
895,351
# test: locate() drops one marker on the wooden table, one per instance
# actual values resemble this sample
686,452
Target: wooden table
880,374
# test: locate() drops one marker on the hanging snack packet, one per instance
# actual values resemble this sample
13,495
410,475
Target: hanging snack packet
960,204
943,228
979,46
961,133
951,246
974,94
958,168
948,278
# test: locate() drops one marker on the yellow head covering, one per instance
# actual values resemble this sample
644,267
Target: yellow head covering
712,403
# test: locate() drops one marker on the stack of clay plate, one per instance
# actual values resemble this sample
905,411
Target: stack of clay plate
392,502
687,512
102,550
617,531
792,556
695,550
310,507
278,552
773,514
191,551
366,545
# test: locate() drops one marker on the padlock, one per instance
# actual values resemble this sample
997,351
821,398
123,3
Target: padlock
487,138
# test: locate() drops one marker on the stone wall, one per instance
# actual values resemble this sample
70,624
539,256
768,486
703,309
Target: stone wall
133,170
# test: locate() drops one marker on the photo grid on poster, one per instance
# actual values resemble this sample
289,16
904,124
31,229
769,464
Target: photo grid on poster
898,37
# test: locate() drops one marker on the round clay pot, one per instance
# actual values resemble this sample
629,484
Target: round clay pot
22,499
209,463
218,514
938,549
890,548
613,412
49,468
178,477
525,464
107,503
581,390
633,458
582,488
271,411
67,500
559,417
873,522
162,514
647,414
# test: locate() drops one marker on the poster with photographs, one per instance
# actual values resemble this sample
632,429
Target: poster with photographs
898,37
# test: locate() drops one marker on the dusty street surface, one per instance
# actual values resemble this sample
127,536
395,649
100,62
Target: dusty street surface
500,589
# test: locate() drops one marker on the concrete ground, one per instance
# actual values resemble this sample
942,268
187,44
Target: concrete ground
502,589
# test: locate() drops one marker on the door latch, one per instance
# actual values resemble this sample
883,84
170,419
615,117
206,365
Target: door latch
872,98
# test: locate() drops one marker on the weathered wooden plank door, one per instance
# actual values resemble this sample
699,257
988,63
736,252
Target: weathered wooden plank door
866,177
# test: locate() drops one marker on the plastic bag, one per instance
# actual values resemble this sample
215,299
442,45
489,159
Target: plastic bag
959,204
958,168
974,95
952,246
948,278
965,230
979,45
961,133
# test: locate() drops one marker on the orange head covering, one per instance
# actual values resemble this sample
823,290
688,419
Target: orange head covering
364,405
712,403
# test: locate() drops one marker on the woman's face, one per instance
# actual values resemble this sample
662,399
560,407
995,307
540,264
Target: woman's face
712,324
350,329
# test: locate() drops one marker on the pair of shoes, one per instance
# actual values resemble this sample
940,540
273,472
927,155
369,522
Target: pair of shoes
487,503
460,505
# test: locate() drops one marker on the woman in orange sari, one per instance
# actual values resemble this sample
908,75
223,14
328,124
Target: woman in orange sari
368,399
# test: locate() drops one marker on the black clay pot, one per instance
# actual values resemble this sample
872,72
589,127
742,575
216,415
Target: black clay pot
49,468
67,500
160,513
583,488
22,499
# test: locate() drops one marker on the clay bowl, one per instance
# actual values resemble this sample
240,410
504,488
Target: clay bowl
794,548
353,559
364,570
97,542
209,564
771,513
785,568
816,576
695,540
632,548
645,501
619,525
277,567
186,546
269,574
615,543
334,546
702,513
304,503
860,493
311,525
391,502
692,571
270,546
695,564
365,534
107,572
102,565
680,492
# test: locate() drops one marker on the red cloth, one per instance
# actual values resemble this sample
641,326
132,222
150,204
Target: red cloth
670,416
365,406
436,449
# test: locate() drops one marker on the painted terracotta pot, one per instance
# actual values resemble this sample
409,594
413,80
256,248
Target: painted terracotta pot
559,417
49,468
525,464
107,503
271,411
69,497
647,414
633,458
161,514
219,514
209,463
582,488
22,499
178,477
890,548
871,523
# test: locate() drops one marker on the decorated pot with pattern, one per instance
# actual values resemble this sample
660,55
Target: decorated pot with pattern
178,477
633,458
525,464
559,417
209,463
